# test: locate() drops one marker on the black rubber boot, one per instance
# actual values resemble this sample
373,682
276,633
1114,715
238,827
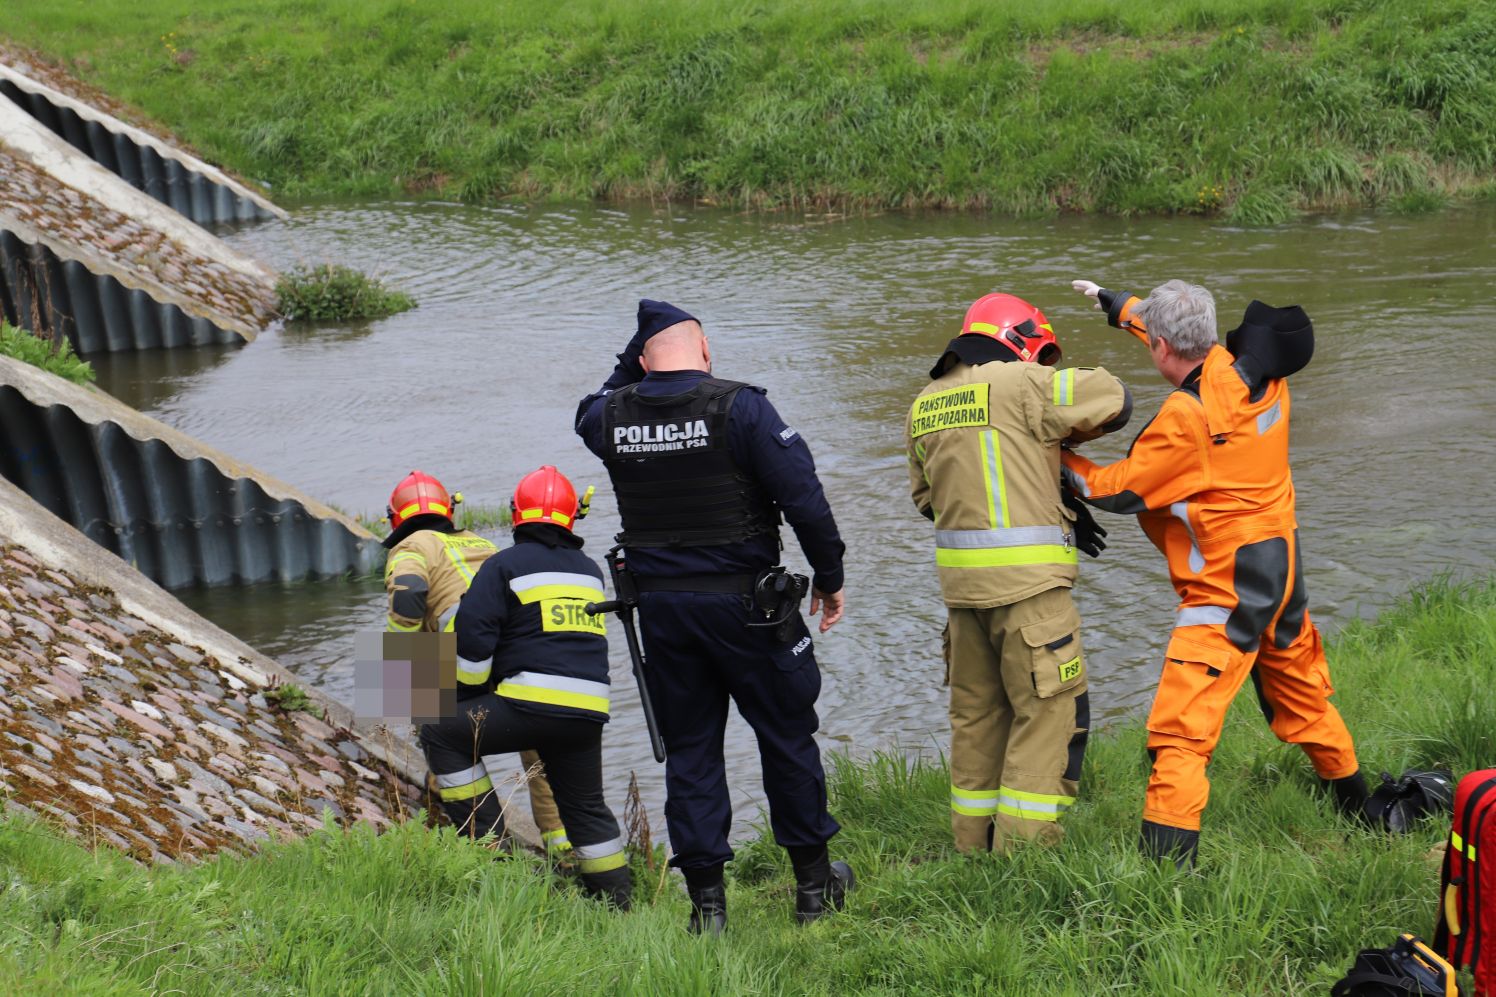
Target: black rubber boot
820,893
1170,844
616,887
1351,795
708,901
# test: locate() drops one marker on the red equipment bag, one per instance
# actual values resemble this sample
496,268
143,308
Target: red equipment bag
1466,934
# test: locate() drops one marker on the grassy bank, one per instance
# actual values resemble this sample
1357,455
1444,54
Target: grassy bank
1285,895
32,349
1252,108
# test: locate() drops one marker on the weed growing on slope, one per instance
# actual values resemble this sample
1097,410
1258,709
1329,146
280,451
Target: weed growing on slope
39,352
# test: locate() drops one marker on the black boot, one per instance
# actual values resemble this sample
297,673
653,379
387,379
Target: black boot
708,901
1170,844
616,886
820,885
1351,795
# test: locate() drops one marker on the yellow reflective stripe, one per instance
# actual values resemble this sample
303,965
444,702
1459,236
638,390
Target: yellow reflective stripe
459,562
554,697
439,509
394,626
1012,811
1005,557
984,440
410,510
1064,386
467,792
413,555
556,841
586,593
1018,794
1459,845
996,485
974,802
605,864
987,327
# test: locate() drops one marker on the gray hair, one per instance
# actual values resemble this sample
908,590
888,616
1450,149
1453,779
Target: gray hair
1182,314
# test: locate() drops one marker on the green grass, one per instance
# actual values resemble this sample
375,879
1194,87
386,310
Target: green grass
292,698
1256,109
476,517
1285,894
332,293
1284,897
24,346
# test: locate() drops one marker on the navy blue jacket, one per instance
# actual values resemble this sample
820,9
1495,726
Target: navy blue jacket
524,614
762,445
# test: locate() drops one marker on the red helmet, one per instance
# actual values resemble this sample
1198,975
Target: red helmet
1016,324
545,496
419,494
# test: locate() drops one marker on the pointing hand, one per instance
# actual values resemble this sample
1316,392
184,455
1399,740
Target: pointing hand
1090,289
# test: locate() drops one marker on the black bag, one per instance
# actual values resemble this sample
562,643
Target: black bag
1406,968
1398,804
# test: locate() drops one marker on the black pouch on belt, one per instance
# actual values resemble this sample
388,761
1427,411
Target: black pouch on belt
777,594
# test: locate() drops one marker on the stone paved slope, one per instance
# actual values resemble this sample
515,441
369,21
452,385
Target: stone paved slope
112,728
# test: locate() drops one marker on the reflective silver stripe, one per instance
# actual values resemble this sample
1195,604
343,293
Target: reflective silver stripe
466,777
1032,806
1076,482
1012,536
446,618
522,582
472,671
562,683
1197,559
1267,419
601,850
1194,616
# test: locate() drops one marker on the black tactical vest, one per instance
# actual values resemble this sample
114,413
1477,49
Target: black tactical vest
673,472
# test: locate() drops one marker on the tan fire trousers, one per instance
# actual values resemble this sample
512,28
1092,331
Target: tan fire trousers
543,802
1019,719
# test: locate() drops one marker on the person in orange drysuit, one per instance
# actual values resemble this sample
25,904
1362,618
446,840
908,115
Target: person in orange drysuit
1210,484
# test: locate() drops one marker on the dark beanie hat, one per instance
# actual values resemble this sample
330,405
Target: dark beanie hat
655,316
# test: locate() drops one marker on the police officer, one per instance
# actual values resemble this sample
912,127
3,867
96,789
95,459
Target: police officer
430,565
703,469
523,622
984,464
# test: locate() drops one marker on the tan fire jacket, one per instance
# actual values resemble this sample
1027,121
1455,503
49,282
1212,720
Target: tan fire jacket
984,464
426,576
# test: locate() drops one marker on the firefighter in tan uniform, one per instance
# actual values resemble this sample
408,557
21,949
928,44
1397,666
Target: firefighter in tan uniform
430,566
984,464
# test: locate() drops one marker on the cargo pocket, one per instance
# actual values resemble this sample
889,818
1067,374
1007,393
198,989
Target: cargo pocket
796,677
1054,643
1184,706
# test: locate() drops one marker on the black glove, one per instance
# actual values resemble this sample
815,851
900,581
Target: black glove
1088,532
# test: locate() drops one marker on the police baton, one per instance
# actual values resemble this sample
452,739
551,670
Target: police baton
628,599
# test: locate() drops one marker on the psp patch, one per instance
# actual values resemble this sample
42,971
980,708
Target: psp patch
570,616
953,408
1070,669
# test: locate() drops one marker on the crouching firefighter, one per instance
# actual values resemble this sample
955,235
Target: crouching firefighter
702,469
983,441
1210,483
430,565
524,635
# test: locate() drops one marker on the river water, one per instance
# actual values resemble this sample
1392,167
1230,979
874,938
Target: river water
522,308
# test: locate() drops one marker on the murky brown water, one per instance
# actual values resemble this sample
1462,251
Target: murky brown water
1394,430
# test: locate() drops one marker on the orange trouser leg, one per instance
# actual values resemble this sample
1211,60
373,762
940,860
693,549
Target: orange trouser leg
1294,687
1201,675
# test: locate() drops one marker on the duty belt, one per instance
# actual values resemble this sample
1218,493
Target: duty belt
724,584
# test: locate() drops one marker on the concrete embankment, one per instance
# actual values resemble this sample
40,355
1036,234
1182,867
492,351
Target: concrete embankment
132,721
195,189
172,506
84,253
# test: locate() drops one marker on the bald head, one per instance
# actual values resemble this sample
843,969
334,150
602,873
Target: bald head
682,346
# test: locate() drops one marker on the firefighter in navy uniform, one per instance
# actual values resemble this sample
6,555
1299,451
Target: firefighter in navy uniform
523,625
430,565
703,469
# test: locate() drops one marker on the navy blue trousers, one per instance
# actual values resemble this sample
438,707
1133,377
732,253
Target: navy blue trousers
699,653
